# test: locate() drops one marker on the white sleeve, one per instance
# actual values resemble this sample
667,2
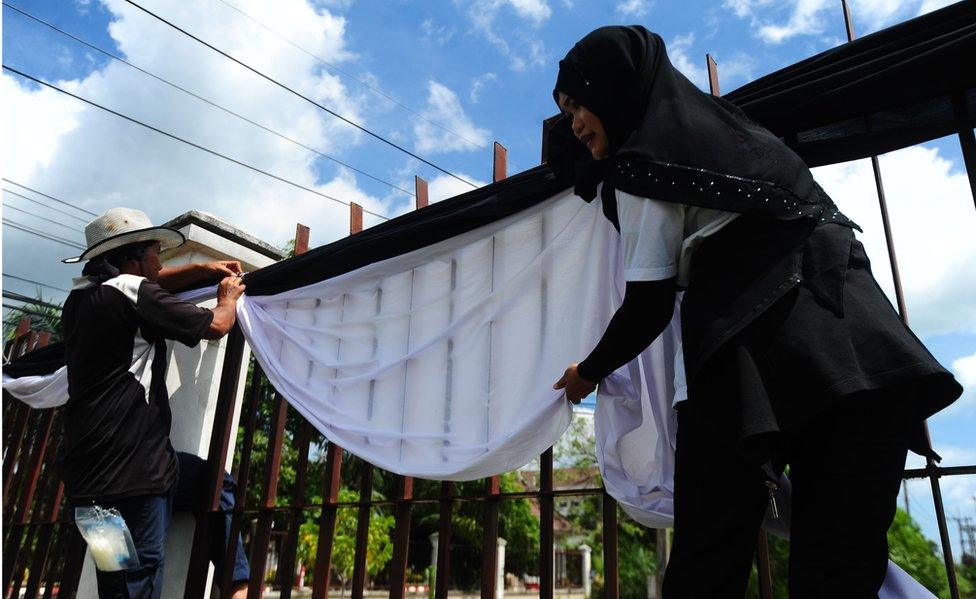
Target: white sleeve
651,232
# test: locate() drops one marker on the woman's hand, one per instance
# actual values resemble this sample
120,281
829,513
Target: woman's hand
576,386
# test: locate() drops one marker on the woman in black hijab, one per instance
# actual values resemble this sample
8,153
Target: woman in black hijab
793,355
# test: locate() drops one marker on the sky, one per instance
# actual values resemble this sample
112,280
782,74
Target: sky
443,80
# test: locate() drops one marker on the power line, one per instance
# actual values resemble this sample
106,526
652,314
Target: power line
49,207
19,297
22,186
50,220
33,231
26,280
202,99
350,76
187,142
298,94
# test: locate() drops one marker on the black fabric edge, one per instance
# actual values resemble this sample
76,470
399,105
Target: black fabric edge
763,90
412,231
38,362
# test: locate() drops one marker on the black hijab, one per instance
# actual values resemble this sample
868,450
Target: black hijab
670,141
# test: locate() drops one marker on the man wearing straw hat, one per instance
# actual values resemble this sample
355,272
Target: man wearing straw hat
116,450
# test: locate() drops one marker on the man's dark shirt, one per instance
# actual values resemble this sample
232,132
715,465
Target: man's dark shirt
117,419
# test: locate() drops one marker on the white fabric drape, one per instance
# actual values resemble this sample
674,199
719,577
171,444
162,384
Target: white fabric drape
439,363
39,392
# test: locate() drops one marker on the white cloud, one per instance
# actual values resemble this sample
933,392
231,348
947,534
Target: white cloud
33,143
634,9
535,10
807,19
80,154
479,83
678,53
438,34
965,369
733,71
444,108
932,220
930,5
775,22
444,186
511,40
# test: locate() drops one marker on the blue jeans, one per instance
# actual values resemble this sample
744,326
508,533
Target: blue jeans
148,518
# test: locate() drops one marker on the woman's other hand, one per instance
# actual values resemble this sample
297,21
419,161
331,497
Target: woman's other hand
576,387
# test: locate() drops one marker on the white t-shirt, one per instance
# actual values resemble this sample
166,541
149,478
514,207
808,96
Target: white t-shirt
660,238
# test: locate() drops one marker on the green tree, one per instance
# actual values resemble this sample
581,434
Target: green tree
907,547
920,557
44,316
379,545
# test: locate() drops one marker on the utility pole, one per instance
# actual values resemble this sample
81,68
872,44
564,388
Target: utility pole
967,538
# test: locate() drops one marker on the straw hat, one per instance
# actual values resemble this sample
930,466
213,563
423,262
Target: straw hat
121,226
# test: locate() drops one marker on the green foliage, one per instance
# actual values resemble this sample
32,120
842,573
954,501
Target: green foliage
919,556
43,317
907,547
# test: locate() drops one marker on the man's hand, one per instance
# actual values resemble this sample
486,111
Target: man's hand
219,269
576,386
225,312
230,289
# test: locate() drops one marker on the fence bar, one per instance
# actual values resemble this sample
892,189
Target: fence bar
546,527
230,374
712,67
20,410
401,536
243,478
327,522
402,511
611,563
967,140
489,542
362,531
499,168
289,549
764,571
269,497
420,190
53,483
19,468
900,296
445,531
35,463
71,573
355,218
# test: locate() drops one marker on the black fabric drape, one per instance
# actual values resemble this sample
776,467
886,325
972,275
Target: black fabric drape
887,90
409,232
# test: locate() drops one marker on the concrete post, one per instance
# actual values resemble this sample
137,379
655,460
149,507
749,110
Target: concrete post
587,552
193,376
500,569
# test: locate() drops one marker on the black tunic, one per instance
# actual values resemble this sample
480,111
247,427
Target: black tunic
797,334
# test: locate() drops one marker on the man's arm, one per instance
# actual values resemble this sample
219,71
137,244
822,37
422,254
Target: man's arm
172,278
225,312
645,312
